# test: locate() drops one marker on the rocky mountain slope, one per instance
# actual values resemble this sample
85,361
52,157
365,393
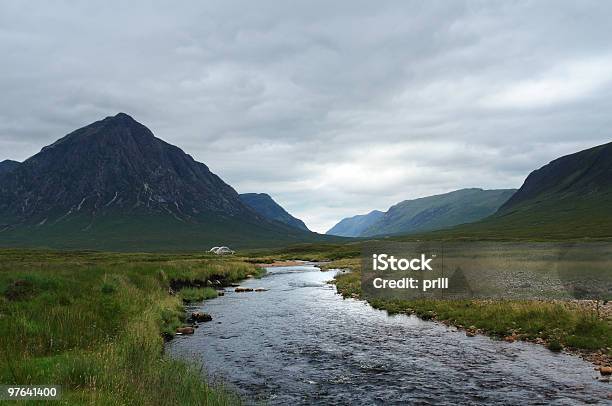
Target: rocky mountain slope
113,184
263,204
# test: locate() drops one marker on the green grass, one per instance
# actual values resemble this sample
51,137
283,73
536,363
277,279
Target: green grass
197,294
93,323
307,252
129,233
548,220
557,323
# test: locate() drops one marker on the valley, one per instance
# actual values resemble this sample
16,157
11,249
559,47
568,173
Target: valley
122,307
116,245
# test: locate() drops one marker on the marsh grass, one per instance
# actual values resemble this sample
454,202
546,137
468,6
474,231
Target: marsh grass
197,294
307,252
93,323
558,323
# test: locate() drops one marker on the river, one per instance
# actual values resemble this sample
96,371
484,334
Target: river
301,343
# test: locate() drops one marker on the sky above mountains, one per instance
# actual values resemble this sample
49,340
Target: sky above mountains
332,109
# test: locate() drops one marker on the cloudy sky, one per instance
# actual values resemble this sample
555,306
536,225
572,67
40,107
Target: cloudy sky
333,108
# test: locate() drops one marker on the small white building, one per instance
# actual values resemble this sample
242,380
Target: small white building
222,250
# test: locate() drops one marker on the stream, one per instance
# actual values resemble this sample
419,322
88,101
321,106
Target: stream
301,343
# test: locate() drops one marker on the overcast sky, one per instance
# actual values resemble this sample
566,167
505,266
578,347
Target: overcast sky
333,108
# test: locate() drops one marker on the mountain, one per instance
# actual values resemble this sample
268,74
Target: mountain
7,166
263,204
426,213
439,211
582,175
354,226
570,197
114,185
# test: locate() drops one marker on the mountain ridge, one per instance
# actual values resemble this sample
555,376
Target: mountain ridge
355,225
115,171
570,197
434,212
7,166
263,204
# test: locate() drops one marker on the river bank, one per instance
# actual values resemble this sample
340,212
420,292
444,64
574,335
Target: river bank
94,324
298,342
578,328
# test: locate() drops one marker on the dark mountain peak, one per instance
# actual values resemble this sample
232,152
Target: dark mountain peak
9,162
113,183
115,164
120,120
112,131
263,204
121,116
580,174
8,165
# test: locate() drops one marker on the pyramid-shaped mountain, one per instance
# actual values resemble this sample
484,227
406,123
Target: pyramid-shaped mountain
114,185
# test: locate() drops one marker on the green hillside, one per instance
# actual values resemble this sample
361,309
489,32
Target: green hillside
156,233
571,197
356,225
439,211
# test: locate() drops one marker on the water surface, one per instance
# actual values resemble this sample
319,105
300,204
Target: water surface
301,343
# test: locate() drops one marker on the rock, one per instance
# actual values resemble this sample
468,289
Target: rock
510,339
605,371
201,317
185,330
220,293
260,289
19,290
249,276
239,290
428,315
470,333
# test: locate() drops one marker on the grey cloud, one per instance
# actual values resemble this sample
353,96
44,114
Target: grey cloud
333,108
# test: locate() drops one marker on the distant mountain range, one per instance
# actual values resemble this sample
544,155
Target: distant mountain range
426,214
356,225
114,185
571,197
263,204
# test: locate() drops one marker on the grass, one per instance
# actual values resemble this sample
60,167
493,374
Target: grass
558,324
93,323
307,252
197,294
130,233
551,219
